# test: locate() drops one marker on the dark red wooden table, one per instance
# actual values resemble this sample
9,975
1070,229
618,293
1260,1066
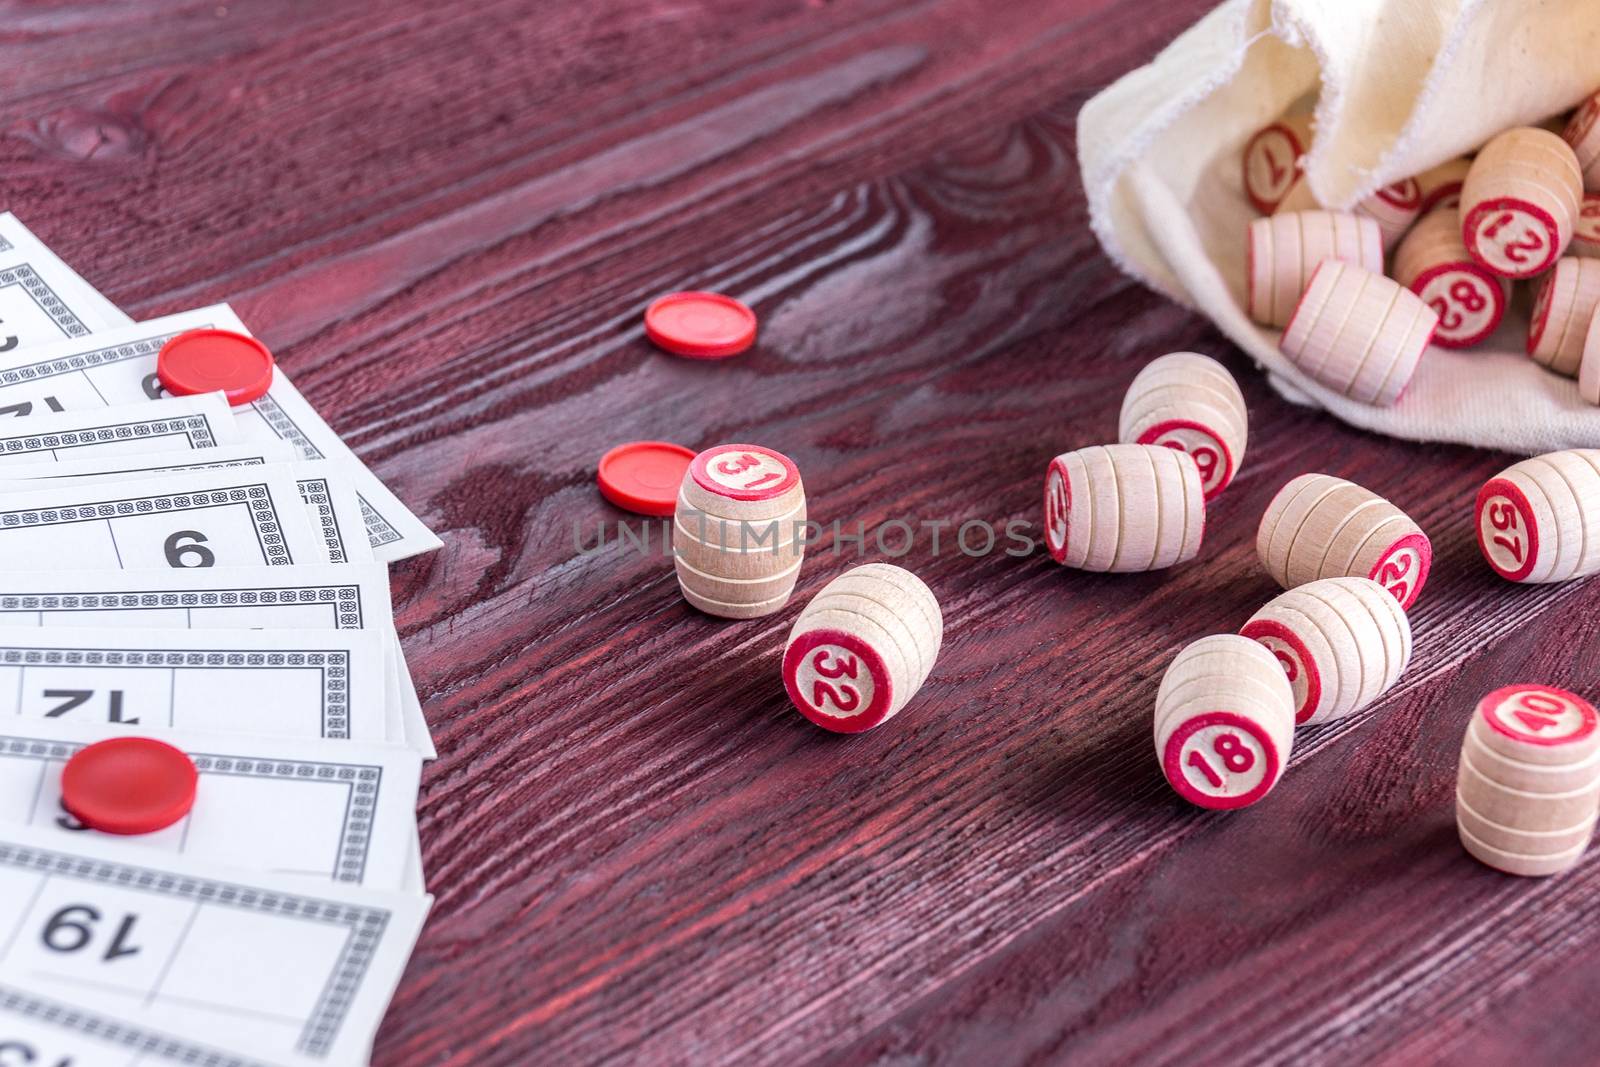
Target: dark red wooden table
447,218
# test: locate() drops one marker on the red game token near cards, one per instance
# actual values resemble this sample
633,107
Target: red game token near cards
212,361
700,325
643,476
129,785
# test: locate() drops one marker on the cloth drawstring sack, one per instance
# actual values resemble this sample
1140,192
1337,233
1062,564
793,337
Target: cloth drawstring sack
1400,86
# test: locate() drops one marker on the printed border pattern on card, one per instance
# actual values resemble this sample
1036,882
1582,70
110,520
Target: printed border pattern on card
24,275
316,494
365,782
333,665
262,514
365,926
134,1039
83,361
196,427
345,599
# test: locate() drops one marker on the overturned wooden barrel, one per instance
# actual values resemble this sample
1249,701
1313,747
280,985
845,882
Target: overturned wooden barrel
1190,402
1319,526
1358,333
1469,299
1224,722
1123,507
862,648
1343,643
1520,200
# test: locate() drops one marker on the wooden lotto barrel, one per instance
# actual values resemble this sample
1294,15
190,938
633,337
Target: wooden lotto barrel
1539,519
1394,207
1358,333
1582,132
1190,402
1282,252
1520,202
1528,780
1270,163
1343,643
1441,186
1123,507
1319,526
737,537
862,648
1469,299
1224,722
1559,323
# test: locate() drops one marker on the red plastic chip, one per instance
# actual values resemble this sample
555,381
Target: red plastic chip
644,476
210,361
129,785
700,325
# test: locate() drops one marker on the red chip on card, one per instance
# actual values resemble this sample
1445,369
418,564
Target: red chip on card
129,785
700,325
643,476
211,361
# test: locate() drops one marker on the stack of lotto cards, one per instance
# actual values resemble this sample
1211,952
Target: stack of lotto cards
211,575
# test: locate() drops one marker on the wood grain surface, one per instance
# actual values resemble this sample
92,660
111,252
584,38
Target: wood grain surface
447,218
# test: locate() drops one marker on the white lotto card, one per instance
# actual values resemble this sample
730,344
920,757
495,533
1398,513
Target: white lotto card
41,298
222,518
318,683
334,813
353,597
119,367
326,489
274,966
181,424
38,1031
149,463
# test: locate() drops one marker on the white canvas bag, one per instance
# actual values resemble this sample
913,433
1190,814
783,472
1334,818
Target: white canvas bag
1401,86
